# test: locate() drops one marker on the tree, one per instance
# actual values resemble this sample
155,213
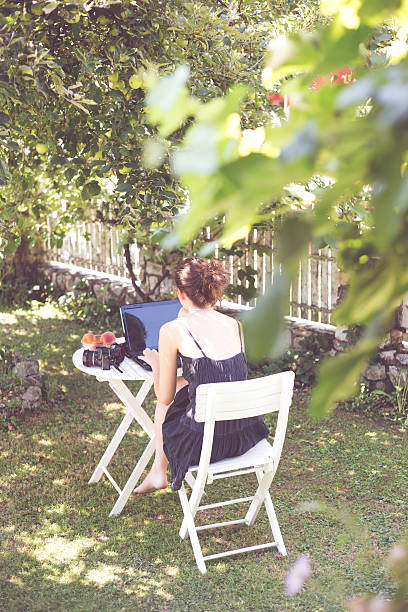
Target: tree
73,126
347,145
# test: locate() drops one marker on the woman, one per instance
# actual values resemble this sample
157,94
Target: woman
211,350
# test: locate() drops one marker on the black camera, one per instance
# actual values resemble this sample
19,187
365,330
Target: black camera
104,356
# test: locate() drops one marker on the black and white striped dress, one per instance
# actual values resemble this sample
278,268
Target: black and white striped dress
183,436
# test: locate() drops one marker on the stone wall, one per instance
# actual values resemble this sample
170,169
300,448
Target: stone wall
387,368
62,277
389,365
34,393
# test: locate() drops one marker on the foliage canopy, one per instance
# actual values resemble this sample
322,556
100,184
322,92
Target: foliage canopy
347,146
73,126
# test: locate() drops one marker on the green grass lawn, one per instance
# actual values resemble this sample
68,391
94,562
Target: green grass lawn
61,551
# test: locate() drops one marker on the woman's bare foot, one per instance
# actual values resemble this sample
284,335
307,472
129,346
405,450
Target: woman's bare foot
154,481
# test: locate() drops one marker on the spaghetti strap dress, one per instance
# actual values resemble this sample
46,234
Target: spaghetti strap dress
183,436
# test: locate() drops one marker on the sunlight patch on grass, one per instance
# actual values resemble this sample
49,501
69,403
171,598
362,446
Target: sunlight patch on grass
99,437
371,434
45,442
112,406
17,581
60,549
110,553
104,573
165,595
57,509
60,482
26,467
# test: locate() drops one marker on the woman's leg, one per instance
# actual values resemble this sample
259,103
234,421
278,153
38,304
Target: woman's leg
157,477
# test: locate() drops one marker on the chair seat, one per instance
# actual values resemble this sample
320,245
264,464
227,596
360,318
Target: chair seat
259,454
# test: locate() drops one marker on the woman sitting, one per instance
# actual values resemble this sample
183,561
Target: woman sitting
211,349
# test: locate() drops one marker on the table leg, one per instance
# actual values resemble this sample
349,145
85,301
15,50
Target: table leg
134,403
111,449
134,411
134,477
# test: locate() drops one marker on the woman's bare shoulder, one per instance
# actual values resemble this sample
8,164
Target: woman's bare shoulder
171,328
227,319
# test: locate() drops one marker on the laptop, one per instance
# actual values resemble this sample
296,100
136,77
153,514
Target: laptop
141,326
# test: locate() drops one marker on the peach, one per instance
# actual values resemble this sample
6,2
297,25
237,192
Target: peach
88,339
107,338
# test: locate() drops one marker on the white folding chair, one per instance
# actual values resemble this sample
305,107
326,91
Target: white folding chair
235,400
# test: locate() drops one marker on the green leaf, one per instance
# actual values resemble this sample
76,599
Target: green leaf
375,12
168,103
158,235
50,6
170,195
70,173
337,378
124,187
4,171
79,105
90,190
294,236
371,292
265,326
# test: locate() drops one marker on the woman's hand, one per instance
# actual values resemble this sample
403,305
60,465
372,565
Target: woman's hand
151,356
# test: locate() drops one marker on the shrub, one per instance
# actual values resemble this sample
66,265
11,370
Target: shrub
303,361
81,304
21,292
7,359
14,292
390,406
11,389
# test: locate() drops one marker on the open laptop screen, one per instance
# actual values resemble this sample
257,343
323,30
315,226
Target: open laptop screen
142,323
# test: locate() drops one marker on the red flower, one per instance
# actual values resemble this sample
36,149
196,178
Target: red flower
344,76
275,98
319,82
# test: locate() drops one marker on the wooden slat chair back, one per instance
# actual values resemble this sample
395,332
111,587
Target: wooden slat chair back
234,400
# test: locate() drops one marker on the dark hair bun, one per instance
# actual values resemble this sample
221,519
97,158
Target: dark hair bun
202,281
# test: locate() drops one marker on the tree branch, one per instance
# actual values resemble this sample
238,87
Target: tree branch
165,274
145,297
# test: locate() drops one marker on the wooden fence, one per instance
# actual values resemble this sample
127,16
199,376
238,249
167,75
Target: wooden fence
313,295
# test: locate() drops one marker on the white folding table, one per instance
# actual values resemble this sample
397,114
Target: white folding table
134,411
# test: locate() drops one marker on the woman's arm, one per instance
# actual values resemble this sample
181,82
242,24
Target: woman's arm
241,332
164,365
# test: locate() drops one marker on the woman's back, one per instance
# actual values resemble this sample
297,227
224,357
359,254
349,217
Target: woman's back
208,332
201,369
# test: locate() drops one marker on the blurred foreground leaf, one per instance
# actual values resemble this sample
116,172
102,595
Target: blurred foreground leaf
265,327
